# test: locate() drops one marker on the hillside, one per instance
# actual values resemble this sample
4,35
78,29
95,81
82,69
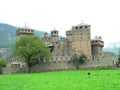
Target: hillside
113,47
8,35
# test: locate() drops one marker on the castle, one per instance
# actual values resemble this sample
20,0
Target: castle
78,40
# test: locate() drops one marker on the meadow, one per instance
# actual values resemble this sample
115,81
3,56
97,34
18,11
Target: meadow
63,80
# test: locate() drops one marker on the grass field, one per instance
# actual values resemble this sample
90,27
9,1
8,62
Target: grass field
63,80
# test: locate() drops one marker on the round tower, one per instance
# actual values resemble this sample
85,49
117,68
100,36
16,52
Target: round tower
97,47
24,31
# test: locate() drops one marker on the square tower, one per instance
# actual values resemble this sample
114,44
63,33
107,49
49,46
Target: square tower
81,39
24,31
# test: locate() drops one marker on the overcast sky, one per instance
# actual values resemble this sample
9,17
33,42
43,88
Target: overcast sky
102,15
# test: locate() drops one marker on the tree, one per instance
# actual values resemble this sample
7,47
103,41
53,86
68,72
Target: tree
118,61
2,64
32,49
119,55
78,59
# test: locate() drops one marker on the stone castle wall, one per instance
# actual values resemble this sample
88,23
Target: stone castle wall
67,65
15,65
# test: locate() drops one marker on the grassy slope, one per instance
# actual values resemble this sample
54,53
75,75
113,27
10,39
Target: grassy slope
65,80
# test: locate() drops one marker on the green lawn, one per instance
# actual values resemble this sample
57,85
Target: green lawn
64,80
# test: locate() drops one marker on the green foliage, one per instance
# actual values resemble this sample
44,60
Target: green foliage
104,68
78,59
73,80
32,49
2,62
119,55
118,60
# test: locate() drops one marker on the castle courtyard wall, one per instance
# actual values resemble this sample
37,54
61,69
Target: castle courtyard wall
66,65
15,64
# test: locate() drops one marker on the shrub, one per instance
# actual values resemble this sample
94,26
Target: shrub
2,62
104,67
78,59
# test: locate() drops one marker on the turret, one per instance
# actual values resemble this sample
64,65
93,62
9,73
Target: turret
54,36
46,35
69,35
24,31
97,47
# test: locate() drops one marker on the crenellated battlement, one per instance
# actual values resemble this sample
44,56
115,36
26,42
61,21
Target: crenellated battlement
68,33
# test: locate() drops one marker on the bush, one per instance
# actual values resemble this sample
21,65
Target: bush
2,62
104,67
78,59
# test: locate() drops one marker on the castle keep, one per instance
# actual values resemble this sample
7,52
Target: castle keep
78,40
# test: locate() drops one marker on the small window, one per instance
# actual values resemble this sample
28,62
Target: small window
86,27
80,27
76,27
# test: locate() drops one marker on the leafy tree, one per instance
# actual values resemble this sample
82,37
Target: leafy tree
32,49
78,59
119,55
118,61
2,64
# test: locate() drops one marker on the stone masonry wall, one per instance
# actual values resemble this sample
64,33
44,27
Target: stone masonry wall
66,65
15,65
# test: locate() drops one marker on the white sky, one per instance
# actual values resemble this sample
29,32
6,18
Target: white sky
102,15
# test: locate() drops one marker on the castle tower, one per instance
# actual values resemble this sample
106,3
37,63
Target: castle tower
24,31
54,36
81,39
46,35
97,48
69,35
